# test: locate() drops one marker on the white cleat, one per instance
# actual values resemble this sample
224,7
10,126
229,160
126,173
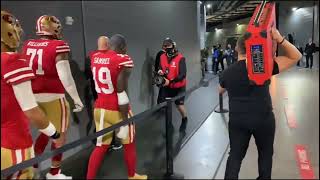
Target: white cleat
58,176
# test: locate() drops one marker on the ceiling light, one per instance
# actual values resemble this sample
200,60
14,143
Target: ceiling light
238,24
294,8
208,6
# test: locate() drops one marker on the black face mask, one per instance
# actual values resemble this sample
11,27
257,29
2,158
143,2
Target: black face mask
170,52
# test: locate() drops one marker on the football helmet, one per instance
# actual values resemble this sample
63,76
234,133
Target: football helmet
11,30
49,25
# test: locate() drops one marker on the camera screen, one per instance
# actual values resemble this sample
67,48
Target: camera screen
257,59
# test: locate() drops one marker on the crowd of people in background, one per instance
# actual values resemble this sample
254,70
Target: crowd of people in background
217,55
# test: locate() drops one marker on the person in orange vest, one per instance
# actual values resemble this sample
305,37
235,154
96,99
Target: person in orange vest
173,68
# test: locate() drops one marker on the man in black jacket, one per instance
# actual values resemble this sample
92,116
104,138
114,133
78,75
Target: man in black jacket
310,50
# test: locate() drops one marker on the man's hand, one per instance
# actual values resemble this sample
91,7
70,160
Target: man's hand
60,141
275,34
160,72
167,82
78,106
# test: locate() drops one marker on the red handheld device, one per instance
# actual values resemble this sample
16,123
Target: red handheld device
259,43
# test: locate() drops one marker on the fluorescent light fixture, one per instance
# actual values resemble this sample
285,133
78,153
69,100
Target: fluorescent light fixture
208,6
294,8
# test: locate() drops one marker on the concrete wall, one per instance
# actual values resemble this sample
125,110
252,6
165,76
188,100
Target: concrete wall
226,30
202,24
316,24
144,24
299,22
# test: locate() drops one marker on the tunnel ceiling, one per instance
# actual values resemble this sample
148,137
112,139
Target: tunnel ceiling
226,11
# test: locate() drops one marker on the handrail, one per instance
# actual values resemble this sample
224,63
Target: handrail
46,155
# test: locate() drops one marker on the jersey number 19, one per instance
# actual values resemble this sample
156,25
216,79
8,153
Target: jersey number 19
104,77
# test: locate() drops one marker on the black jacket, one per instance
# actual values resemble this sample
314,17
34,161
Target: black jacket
310,48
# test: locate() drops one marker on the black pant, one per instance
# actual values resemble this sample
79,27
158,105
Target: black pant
229,60
220,61
166,92
241,127
309,56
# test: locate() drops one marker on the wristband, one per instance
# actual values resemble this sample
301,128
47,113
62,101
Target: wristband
282,40
56,135
49,131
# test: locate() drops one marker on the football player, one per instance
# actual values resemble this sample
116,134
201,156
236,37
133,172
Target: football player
48,57
111,70
18,104
103,46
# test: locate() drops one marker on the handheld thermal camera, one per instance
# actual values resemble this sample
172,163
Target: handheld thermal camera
259,43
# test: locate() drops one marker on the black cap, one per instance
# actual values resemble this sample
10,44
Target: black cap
167,41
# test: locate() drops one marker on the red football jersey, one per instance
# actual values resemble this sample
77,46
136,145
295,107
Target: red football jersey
106,66
41,56
15,131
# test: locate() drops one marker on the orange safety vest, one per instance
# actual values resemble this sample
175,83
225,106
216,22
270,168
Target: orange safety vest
173,69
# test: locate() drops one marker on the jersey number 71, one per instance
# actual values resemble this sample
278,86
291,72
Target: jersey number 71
33,53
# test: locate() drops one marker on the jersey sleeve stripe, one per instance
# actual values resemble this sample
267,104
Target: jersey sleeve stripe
16,71
12,80
62,50
129,65
62,47
127,62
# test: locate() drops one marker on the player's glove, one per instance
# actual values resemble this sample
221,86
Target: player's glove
78,106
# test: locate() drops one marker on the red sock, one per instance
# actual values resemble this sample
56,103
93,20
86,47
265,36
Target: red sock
40,145
54,170
95,160
57,157
130,158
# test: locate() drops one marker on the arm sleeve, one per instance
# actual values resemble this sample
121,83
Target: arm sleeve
24,95
275,68
65,76
182,71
